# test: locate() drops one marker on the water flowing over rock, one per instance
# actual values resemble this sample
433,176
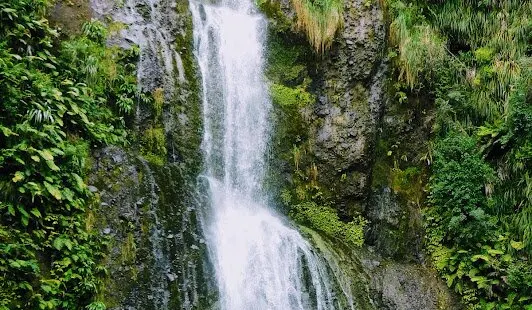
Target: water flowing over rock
155,26
158,257
261,262
179,241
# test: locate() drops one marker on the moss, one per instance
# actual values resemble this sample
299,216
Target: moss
287,96
408,183
326,220
153,143
144,10
158,101
272,9
287,70
128,250
286,60
115,27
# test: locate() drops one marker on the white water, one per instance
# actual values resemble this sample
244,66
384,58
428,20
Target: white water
261,262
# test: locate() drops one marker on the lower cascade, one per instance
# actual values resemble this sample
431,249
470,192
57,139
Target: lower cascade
261,262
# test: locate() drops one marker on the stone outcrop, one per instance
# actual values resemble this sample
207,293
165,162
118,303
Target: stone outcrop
369,155
146,196
378,283
349,83
151,216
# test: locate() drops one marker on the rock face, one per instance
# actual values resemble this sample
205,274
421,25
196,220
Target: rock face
399,176
162,29
368,151
147,193
377,283
150,214
349,84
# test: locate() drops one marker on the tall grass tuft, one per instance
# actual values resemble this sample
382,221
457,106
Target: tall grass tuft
420,47
504,28
320,20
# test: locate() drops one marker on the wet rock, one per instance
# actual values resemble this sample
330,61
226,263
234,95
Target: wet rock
171,277
348,81
378,283
144,210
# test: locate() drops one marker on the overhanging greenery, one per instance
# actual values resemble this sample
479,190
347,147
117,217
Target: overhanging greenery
320,20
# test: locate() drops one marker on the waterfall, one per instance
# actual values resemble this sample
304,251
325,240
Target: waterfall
261,262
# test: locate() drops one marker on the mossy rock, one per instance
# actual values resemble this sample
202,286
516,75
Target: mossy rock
69,15
377,283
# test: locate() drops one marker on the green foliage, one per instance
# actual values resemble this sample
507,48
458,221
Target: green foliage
325,219
469,245
289,89
57,99
320,20
479,225
158,102
154,145
458,190
287,72
287,96
420,50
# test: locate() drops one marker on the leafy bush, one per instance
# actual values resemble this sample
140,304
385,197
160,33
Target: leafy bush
478,224
470,247
457,190
57,99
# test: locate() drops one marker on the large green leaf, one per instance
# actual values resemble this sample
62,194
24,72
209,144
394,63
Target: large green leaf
54,191
46,155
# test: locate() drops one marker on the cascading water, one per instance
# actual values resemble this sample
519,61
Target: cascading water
261,262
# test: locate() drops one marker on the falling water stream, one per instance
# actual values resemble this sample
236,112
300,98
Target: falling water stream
261,261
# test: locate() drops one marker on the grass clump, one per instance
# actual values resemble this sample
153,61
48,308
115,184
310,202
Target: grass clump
419,47
320,20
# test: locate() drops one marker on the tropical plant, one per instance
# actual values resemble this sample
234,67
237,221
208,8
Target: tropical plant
58,99
476,70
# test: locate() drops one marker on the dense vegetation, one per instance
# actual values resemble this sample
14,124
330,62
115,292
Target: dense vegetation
58,99
472,59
